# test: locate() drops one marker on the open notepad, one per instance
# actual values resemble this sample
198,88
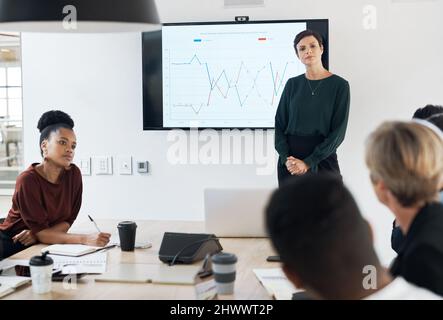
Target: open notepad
73,250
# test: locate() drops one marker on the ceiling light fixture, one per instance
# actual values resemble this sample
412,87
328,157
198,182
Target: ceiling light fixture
82,16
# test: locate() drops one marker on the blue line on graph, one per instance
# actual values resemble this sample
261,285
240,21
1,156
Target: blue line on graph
277,81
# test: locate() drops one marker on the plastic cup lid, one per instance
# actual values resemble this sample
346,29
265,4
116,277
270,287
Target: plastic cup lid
127,224
42,260
224,258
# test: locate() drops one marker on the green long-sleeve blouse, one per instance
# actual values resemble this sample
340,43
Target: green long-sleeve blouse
325,113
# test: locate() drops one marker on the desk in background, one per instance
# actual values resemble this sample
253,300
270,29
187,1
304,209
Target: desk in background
251,253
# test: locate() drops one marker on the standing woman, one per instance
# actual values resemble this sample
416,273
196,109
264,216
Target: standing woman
312,115
48,195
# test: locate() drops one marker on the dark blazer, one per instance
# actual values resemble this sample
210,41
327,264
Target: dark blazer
420,256
397,238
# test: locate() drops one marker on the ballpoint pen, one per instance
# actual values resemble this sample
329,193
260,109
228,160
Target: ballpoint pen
92,220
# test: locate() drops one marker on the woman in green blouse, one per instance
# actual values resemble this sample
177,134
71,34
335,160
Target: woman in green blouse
312,114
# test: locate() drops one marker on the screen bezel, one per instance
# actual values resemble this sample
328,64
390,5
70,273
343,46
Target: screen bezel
155,44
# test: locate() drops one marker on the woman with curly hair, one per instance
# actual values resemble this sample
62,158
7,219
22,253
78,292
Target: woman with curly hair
48,195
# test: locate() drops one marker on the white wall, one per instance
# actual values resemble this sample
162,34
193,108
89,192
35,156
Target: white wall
97,79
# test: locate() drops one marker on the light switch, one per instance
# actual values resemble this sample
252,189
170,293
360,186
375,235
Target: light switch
85,166
124,165
103,165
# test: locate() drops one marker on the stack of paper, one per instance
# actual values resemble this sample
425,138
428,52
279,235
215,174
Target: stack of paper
276,283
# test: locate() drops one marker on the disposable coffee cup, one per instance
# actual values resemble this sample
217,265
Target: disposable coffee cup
223,267
126,232
41,273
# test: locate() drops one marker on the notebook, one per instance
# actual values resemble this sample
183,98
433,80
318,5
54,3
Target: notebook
149,273
276,283
5,290
9,284
73,250
14,282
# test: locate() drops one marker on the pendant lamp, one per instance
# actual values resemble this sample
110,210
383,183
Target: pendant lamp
82,16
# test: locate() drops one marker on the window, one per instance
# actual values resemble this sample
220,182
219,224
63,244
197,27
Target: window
11,145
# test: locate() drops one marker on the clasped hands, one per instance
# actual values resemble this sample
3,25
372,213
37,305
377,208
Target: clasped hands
296,166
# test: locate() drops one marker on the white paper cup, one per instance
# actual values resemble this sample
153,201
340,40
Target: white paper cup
41,278
41,273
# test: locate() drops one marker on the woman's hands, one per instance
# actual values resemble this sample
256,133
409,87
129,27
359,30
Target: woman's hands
25,237
296,166
97,239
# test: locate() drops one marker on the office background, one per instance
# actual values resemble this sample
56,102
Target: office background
97,79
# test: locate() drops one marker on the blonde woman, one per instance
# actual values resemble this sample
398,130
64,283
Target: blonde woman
406,169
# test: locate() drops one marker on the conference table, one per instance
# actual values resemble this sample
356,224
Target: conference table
251,253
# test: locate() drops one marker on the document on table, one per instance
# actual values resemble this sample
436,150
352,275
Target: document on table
276,283
150,273
91,263
8,263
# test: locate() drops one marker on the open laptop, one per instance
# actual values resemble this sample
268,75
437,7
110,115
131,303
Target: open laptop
236,213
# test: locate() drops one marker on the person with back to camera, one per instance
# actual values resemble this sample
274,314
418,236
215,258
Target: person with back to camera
312,115
434,115
326,246
48,195
406,170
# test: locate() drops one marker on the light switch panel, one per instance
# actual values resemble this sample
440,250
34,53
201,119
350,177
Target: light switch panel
85,166
103,165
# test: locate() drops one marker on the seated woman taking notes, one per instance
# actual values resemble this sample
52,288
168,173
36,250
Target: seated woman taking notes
48,195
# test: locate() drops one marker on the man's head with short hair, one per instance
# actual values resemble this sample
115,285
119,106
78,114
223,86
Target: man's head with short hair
427,111
318,231
436,120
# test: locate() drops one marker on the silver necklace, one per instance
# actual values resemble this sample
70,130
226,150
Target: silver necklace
313,91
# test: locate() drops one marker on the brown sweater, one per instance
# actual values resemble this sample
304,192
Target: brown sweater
38,204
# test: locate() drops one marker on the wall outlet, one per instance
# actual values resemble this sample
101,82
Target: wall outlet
103,165
85,166
124,165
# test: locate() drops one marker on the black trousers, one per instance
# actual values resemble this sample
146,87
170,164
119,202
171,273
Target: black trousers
8,247
301,147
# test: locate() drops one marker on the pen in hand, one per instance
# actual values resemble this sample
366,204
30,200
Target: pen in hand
92,220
